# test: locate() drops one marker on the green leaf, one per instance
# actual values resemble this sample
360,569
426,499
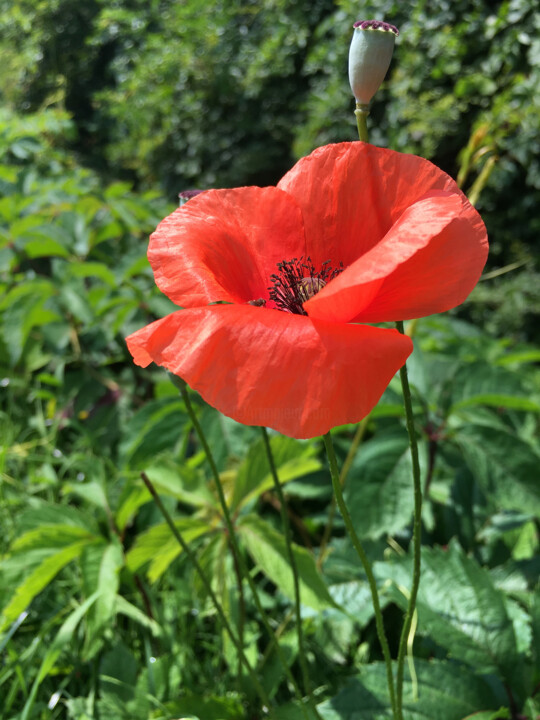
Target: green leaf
461,609
187,484
38,579
112,562
123,607
500,714
378,491
159,547
267,548
483,383
442,691
160,425
293,459
209,708
505,465
65,635
50,536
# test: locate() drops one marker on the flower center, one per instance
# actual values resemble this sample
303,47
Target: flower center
297,281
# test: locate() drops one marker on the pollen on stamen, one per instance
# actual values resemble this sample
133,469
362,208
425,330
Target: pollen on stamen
297,281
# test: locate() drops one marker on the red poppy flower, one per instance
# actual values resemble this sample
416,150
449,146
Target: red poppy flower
352,234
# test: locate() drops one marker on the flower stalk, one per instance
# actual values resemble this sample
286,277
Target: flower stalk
237,555
417,533
208,587
334,471
294,570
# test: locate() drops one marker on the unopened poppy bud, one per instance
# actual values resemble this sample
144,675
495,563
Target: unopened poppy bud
186,195
369,57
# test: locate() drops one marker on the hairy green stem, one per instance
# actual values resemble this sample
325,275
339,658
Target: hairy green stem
365,564
357,439
294,569
237,555
208,587
361,113
417,533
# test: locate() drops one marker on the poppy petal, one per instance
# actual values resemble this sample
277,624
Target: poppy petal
352,193
225,244
265,367
428,262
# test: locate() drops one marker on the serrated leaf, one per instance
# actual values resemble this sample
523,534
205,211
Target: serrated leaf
483,383
64,635
292,459
158,426
461,609
123,607
267,548
187,484
38,579
50,536
378,492
445,690
500,714
505,465
159,547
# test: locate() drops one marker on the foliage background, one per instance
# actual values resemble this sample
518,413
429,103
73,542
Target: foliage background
109,109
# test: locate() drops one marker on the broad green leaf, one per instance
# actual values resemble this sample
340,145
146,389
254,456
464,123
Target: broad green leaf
500,714
442,691
50,536
124,607
159,547
136,498
207,708
112,562
292,459
187,484
44,247
38,579
483,383
47,514
160,425
505,465
378,491
93,492
461,609
267,548
96,270
100,568
64,636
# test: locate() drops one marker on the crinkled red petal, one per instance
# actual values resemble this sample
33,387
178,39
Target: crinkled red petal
351,194
225,245
265,367
428,262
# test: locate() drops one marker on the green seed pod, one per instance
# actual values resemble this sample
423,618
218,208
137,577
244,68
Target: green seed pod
369,57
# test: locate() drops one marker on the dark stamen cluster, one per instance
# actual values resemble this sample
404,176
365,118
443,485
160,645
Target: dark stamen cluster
376,25
297,281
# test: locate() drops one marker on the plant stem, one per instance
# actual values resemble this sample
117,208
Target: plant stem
365,564
361,113
208,587
237,555
294,569
357,439
417,534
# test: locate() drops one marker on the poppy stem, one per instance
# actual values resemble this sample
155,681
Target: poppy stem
294,569
417,533
361,113
208,587
237,555
357,439
365,564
